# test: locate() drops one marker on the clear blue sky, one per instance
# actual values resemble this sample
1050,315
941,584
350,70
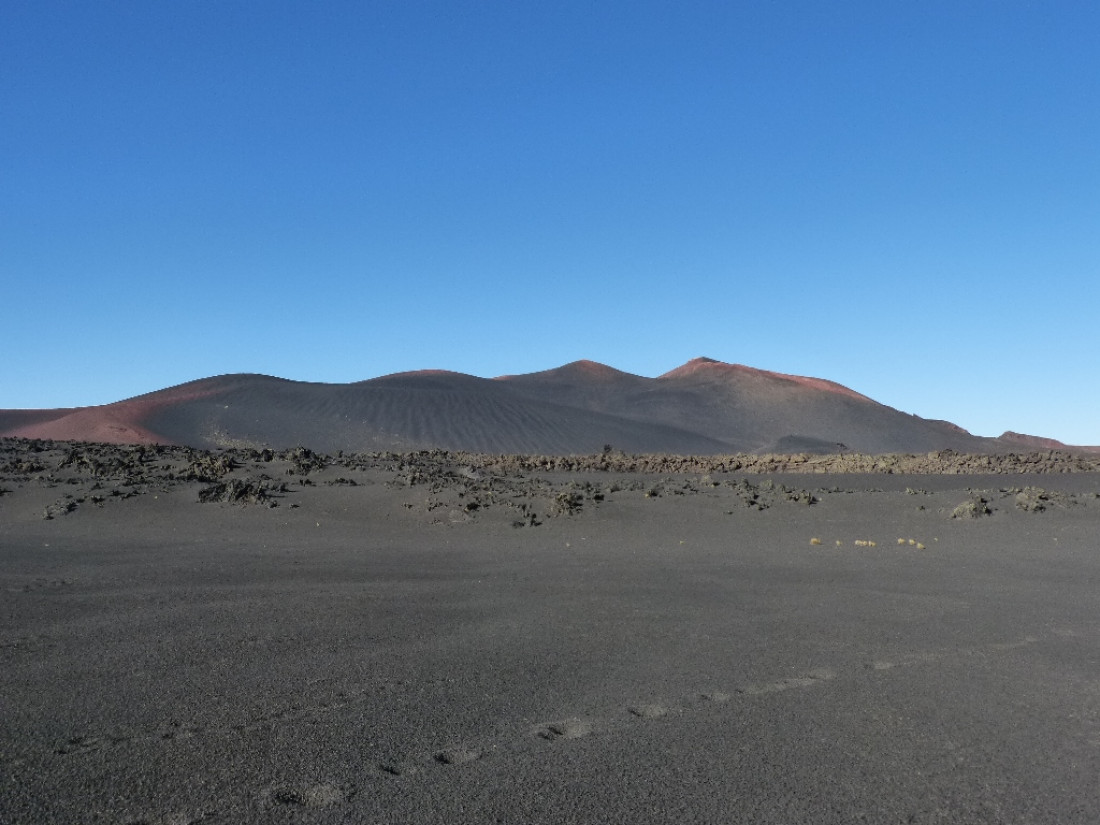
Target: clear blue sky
902,197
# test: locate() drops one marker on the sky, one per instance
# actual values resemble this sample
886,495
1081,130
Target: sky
901,197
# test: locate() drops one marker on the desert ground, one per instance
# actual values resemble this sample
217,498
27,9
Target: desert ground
231,636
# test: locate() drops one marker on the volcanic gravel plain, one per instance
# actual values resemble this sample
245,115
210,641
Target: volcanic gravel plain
283,636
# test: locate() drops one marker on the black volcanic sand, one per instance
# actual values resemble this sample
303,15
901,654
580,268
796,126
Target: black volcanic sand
249,636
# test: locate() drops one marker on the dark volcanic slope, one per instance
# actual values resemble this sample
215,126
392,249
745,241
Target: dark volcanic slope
748,409
409,411
703,407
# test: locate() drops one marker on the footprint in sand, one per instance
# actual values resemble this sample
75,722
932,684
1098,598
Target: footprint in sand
1024,642
399,768
928,657
814,677
308,796
564,729
576,728
906,661
80,744
174,818
567,729
177,730
86,744
457,756
650,711
715,696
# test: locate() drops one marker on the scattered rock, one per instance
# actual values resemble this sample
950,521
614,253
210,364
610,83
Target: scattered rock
209,467
242,491
975,507
1037,500
60,507
305,460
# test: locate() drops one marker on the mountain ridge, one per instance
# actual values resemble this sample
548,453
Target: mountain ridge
704,406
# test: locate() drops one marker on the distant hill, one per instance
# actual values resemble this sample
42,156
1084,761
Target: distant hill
702,407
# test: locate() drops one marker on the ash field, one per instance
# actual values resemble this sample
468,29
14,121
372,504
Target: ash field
262,635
